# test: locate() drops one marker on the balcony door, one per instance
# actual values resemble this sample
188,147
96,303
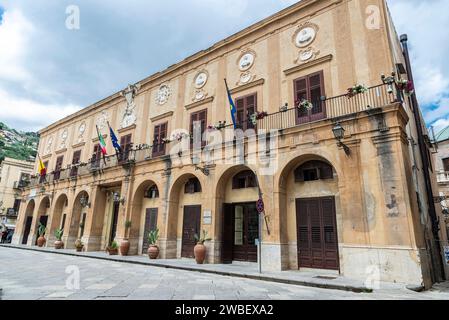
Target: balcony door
246,106
58,168
310,88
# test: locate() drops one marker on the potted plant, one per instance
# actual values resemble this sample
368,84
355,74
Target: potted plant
113,249
124,245
41,232
153,249
58,235
200,248
79,245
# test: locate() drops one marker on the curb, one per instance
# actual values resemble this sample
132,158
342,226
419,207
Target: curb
341,287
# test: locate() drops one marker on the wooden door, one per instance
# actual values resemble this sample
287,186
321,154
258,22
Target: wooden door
42,220
310,88
191,226
75,161
246,231
58,167
125,145
26,233
246,106
228,233
201,118
317,233
150,225
160,133
114,222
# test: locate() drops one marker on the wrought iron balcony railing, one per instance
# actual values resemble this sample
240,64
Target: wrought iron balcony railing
326,108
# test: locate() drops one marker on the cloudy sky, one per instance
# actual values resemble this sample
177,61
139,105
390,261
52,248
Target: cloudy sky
48,71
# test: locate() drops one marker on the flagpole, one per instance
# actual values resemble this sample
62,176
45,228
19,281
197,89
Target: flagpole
98,132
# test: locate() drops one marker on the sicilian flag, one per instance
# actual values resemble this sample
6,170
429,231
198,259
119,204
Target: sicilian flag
102,143
42,169
232,105
114,139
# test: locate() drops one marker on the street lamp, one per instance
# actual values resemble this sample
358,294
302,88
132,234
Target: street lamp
339,133
84,201
116,198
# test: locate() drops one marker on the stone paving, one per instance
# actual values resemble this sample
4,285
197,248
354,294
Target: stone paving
33,275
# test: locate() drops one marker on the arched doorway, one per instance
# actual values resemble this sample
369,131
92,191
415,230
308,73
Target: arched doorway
237,194
308,199
28,221
78,217
58,216
144,216
184,220
42,217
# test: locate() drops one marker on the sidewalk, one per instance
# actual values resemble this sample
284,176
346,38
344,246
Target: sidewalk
242,270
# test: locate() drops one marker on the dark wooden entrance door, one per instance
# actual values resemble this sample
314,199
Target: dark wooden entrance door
150,225
26,233
191,226
42,220
240,231
114,221
317,233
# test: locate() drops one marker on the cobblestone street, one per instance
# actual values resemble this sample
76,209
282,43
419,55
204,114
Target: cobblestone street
34,275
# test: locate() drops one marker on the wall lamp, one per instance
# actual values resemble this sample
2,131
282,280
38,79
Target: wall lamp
116,198
339,133
204,170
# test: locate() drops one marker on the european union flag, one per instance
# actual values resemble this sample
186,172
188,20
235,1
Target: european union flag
233,108
114,139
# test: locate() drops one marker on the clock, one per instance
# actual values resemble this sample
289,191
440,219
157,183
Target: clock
305,36
201,79
246,61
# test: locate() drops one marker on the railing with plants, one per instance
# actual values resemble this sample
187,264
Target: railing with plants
357,99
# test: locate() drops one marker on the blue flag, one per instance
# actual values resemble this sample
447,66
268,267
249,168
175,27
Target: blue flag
115,141
232,106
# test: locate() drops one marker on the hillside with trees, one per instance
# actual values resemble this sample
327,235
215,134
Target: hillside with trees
17,144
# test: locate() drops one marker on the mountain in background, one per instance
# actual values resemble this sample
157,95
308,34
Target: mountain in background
16,144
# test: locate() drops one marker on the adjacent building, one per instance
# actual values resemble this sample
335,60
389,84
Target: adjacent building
14,176
442,170
343,177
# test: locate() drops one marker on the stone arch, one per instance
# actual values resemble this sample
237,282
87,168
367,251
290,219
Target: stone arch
138,206
41,216
29,212
289,190
174,221
73,227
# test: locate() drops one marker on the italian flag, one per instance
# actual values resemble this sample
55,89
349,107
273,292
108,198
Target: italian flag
102,143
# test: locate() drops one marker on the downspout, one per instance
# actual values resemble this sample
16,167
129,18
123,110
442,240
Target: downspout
424,157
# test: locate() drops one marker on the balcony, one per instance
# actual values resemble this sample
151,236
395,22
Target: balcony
11,212
327,108
19,185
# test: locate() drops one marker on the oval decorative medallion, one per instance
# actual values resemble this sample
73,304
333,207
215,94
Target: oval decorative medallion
305,34
201,79
163,94
246,61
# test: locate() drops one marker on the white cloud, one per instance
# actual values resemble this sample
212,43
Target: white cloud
14,33
440,125
30,114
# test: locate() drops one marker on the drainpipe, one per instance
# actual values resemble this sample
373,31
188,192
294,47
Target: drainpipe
424,157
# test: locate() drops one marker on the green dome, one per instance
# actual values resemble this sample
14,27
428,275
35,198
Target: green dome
443,134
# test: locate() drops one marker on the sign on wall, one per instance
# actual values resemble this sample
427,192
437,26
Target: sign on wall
207,217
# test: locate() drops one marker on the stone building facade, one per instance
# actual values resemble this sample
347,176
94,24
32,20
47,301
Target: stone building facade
14,174
356,206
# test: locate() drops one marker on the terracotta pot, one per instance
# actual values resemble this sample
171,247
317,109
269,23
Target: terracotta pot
40,241
200,253
153,252
113,252
124,247
59,244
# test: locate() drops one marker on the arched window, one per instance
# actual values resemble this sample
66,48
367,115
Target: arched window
192,186
152,192
244,179
314,170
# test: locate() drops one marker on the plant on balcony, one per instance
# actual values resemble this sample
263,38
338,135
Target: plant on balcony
125,244
165,141
113,248
58,235
406,86
153,249
305,104
261,115
180,136
284,108
355,90
200,248
41,232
